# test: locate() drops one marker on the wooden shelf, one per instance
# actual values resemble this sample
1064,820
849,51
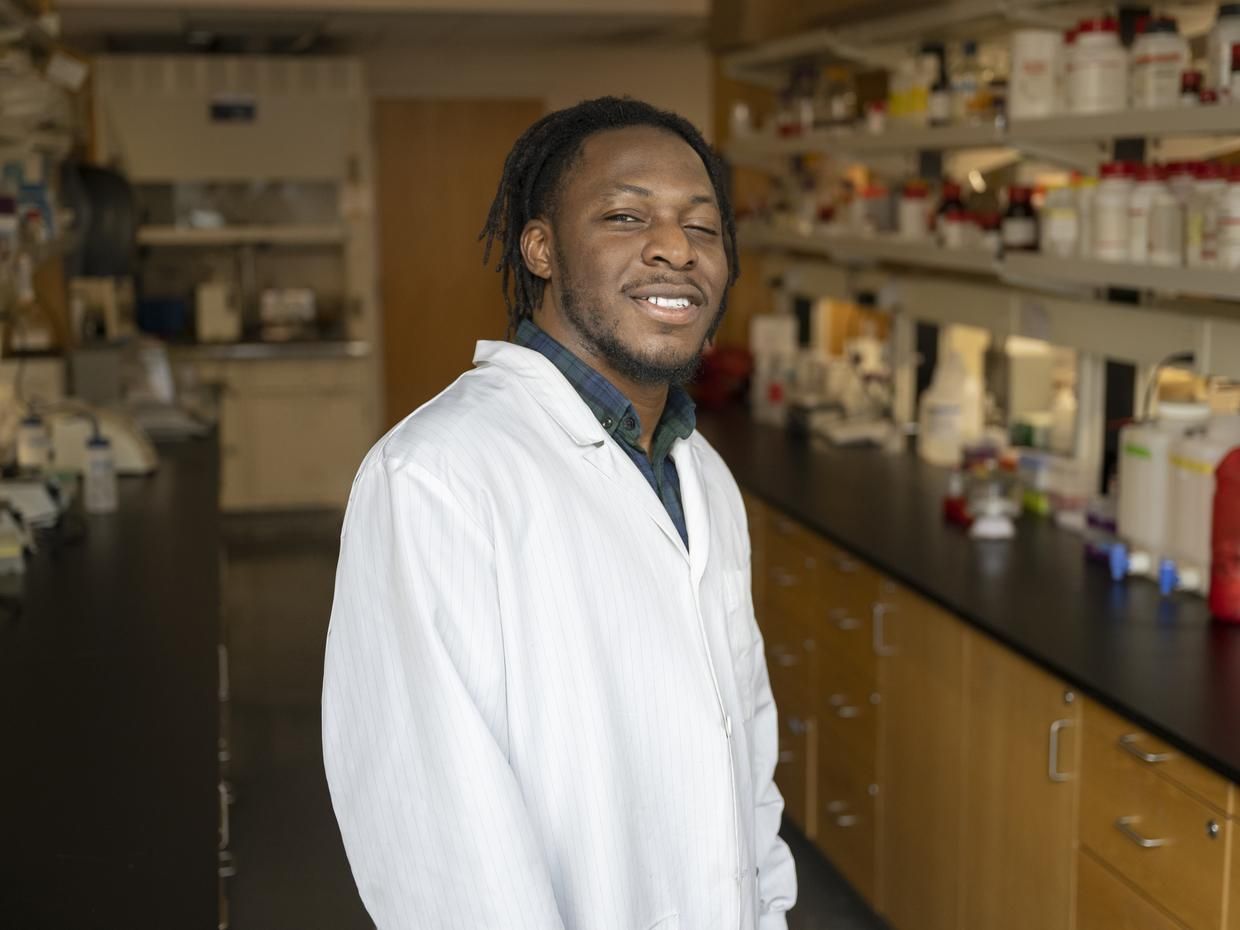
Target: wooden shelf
181,236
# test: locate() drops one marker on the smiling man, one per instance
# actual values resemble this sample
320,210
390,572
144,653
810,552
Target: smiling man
546,702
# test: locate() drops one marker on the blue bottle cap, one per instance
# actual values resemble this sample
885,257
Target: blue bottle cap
1168,577
1118,558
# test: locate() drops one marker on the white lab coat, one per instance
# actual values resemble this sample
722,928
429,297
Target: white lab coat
539,711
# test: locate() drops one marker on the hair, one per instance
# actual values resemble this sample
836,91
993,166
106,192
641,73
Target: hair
533,176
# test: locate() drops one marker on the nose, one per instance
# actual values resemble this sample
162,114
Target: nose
668,245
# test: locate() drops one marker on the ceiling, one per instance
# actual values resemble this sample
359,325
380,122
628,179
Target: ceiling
222,30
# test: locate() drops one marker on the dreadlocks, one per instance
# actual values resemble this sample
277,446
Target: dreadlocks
532,176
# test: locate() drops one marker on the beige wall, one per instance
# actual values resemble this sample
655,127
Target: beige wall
591,7
675,76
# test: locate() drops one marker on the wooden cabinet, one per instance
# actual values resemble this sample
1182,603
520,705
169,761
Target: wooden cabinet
1107,902
1020,793
795,773
1233,884
1166,842
921,761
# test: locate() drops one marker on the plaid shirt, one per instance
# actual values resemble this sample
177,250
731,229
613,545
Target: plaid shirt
613,410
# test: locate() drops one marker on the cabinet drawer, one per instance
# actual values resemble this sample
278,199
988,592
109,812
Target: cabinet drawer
795,770
1166,842
1106,902
848,736
1145,751
848,832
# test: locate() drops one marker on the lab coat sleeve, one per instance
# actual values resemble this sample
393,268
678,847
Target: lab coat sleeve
777,877
414,718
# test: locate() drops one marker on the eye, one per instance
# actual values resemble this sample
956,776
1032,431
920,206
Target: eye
703,229
623,219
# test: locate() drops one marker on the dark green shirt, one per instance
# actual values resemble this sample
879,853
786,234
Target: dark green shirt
616,415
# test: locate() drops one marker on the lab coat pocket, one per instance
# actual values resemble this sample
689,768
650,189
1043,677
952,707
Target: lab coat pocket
670,922
741,638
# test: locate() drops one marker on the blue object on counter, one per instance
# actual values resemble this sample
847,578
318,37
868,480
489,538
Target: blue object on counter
1118,559
163,316
1168,577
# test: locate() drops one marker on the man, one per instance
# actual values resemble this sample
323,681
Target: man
546,702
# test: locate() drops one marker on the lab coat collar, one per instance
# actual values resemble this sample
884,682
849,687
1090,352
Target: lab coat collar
564,405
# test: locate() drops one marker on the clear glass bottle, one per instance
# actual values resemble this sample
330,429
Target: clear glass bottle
966,81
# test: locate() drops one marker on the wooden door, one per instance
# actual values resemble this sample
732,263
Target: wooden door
1107,902
1021,790
921,762
438,165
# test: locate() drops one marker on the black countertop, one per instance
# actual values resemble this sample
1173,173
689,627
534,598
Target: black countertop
109,713
1160,662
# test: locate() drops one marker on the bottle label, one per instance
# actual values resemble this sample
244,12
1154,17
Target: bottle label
1020,232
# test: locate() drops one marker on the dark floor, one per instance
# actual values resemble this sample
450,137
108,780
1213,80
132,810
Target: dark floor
291,869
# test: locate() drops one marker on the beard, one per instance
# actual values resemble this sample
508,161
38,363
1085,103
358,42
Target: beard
601,336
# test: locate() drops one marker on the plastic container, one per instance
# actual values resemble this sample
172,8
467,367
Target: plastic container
1149,180
1159,57
1109,226
1019,231
966,82
1063,419
989,231
1202,216
1145,475
914,211
1098,72
1229,222
99,480
1224,34
1166,229
1036,73
1060,227
957,230
1233,85
951,412
1194,459
1182,178
951,199
1225,541
34,444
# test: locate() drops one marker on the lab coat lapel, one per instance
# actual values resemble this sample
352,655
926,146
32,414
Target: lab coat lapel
609,459
697,509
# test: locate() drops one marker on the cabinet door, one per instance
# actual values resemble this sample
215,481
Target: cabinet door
1020,793
1233,883
921,762
795,772
1107,902
287,450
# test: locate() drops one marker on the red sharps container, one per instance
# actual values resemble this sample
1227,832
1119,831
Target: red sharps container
1225,558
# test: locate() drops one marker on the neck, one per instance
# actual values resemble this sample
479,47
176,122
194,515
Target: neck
648,400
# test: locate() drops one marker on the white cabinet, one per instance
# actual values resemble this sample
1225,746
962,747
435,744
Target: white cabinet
293,431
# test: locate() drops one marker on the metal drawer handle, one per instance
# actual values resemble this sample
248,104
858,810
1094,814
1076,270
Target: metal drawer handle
843,621
878,615
796,726
786,756
837,807
846,820
1052,765
225,826
847,566
784,579
1128,743
228,865
1124,826
843,708
786,659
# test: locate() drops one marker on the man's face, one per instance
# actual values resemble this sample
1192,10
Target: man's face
637,268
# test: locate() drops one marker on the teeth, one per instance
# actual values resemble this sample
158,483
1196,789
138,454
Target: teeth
670,303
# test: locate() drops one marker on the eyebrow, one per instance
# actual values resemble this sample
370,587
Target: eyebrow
647,192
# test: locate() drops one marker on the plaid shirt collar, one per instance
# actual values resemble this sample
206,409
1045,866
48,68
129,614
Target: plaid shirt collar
610,407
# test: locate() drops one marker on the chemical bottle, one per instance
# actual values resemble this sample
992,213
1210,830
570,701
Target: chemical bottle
1194,459
951,412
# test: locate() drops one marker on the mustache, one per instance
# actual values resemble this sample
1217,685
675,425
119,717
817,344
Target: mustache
673,280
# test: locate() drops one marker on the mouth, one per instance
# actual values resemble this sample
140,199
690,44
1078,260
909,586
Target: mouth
669,303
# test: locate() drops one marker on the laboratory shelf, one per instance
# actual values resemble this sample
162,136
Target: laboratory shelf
305,235
861,250
1208,120
894,140
1029,267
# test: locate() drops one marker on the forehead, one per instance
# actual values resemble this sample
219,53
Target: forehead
641,156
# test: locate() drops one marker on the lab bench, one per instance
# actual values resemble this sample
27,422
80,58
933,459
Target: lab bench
110,685
984,733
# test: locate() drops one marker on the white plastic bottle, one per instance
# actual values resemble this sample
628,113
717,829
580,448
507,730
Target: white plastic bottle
1202,216
99,480
1036,69
1145,476
1224,34
1063,419
951,412
1110,212
1193,461
34,444
1166,229
1060,227
1098,82
1159,57
1148,181
1086,189
1229,223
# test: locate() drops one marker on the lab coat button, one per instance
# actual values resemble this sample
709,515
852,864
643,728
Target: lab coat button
607,422
629,423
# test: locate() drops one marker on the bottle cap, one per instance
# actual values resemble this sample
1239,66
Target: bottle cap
1102,24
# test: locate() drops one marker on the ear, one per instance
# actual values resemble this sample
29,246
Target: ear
536,248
